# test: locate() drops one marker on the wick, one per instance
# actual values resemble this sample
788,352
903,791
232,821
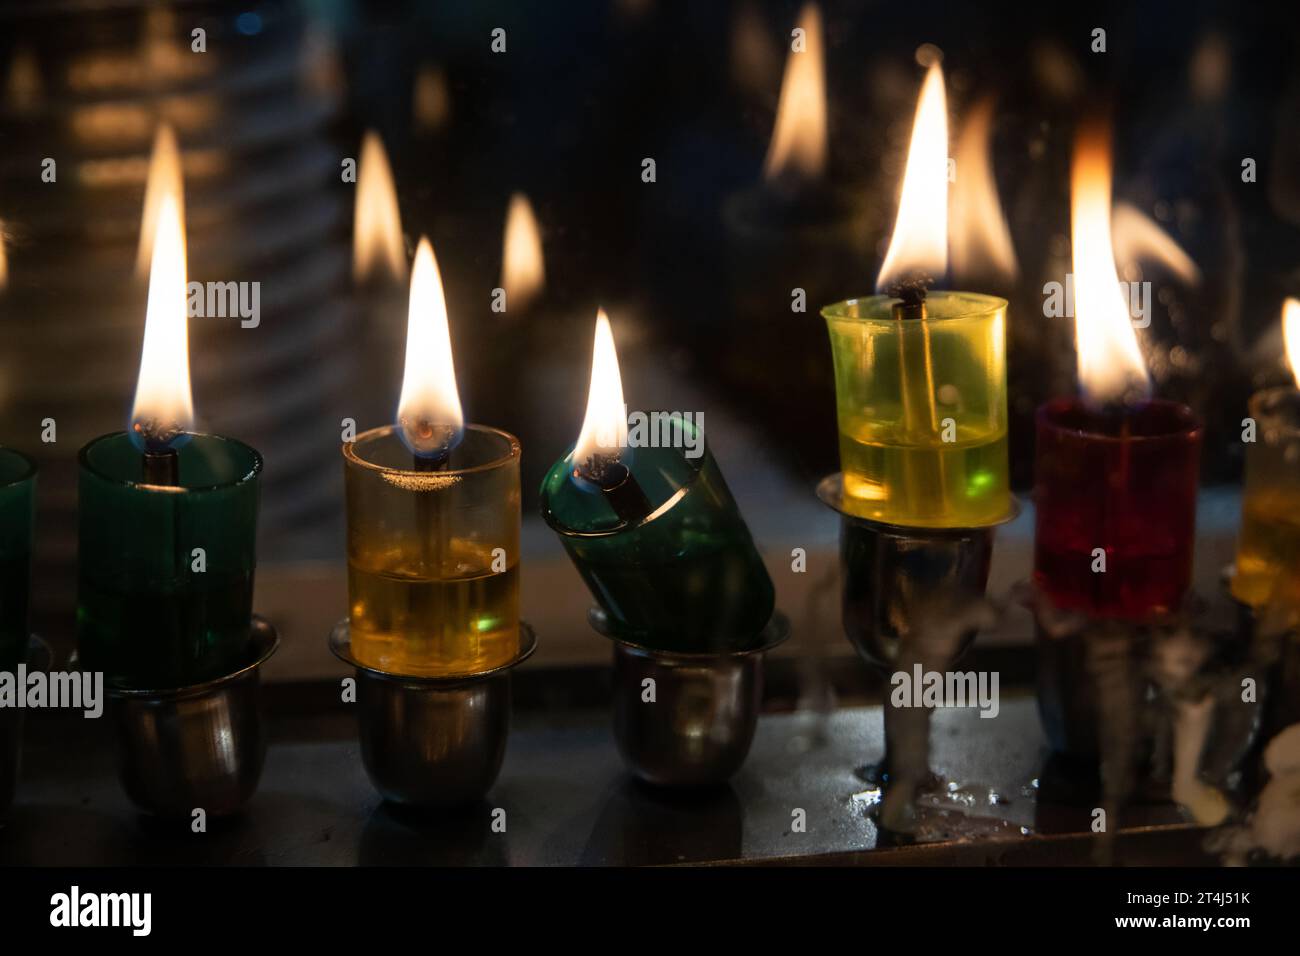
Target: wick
430,463
618,485
161,468
911,293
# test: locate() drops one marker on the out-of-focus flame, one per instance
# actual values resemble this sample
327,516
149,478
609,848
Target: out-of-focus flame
798,145
755,58
981,241
431,98
24,88
429,417
319,66
377,248
1210,69
163,412
1138,237
523,272
4,259
604,428
1291,335
164,180
919,245
1111,367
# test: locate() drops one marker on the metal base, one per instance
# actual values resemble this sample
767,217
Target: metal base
197,747
896,579
687,720
432,742
11,730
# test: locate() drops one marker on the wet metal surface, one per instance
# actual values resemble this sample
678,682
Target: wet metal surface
566,797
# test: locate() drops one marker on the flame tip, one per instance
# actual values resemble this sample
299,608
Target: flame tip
919,243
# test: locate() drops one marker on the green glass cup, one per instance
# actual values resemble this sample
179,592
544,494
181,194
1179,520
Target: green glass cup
685,578
17,518
165,574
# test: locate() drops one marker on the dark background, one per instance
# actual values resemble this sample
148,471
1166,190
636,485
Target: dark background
584,92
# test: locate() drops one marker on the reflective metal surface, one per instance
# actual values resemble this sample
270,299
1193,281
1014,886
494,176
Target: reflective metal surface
894,578
432,742
11,730
197,747
687,720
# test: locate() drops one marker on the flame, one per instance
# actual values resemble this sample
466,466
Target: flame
1111,367
4,259
523,273
1137,236
164,180
163,411
431,98
799,140
429,418
1291,335
604,428
981,241
24,88
377,246
919,246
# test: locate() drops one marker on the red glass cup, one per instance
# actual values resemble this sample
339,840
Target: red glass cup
1123,482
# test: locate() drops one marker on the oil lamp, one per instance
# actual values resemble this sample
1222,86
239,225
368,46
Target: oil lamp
796,228
17,516
523,270
1115,475
647,519
920,385
1268,552
166,552
433,576
527,311
379,273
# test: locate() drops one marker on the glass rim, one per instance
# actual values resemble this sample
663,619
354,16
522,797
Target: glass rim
845,310
30,468
83,460
622,527
1254,405
513,453
1191,429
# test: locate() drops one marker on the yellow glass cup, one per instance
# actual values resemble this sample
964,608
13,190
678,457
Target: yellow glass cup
433,555
922,409
1268,550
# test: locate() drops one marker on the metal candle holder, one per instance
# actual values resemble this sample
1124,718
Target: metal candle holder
11,730
699,727
196,747
896,581
890,572
432,742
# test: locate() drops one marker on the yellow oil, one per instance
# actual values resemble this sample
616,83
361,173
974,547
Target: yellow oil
931,483
464,621
1269,546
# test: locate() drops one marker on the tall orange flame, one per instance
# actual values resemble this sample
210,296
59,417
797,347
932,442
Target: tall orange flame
799,140
919,245
377,246
1111,367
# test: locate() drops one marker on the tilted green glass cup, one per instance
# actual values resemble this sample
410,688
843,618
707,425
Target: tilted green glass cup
685,578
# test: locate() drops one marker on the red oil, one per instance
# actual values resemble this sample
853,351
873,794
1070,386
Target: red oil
1115,501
